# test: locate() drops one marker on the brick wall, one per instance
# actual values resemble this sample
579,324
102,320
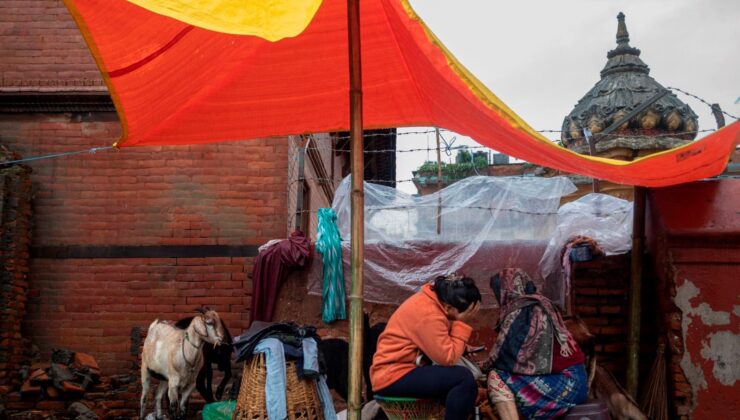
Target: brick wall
93,305
15,236
600,289
42,49
126,236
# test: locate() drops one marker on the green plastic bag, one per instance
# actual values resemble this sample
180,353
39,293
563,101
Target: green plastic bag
221,410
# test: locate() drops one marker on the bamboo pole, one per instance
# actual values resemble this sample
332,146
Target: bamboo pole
635,303
439,184
358,208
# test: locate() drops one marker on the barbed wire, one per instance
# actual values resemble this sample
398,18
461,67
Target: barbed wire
329,147
435,206
336,181
94,150
448,145
705,102
427,131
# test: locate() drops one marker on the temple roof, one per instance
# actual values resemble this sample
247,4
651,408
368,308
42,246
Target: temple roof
625,84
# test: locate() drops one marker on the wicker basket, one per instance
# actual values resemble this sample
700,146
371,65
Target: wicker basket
302,398
410,408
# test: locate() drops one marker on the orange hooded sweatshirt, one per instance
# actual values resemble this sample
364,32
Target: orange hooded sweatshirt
419,325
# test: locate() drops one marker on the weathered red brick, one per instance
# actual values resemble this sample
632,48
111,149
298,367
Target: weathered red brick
29,389
83,359
50,405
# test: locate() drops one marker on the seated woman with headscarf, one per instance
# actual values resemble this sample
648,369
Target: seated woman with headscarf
535,367
431,323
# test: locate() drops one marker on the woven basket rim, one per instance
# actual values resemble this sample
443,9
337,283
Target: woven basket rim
380,398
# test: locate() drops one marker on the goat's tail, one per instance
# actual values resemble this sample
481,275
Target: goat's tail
155,322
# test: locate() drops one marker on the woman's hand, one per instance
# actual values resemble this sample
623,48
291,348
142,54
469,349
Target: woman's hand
487,365
468,314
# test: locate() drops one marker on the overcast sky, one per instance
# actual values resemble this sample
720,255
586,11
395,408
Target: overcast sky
541,57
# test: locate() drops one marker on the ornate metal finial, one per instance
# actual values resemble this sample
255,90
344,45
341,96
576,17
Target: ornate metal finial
623,40
623,37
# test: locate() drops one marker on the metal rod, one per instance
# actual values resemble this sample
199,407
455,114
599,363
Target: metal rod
643,106
595,138
595,183
358,216
300,186
635,295
439,183
717,112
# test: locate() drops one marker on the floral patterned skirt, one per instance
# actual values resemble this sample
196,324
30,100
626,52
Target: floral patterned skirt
541,396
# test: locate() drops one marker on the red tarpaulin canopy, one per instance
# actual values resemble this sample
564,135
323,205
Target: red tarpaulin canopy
183,72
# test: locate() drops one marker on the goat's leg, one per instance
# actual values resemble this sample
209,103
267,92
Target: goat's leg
224,382
209,378
184,400
172,394
202,385
145,382
158,395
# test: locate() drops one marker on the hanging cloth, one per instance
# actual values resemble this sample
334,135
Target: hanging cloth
270,268
329,244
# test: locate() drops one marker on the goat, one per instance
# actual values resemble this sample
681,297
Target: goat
175,357
337,350
218,355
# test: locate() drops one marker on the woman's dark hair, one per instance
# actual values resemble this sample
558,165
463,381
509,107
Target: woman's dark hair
460,292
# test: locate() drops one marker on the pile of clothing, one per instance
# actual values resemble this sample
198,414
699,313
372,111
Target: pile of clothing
278,342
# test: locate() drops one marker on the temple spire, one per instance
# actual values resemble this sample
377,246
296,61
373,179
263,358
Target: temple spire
623,41
625,84
623,37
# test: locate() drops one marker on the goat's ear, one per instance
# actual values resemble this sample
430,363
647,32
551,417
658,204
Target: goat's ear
202,310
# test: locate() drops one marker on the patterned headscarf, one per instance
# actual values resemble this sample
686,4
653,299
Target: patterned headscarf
528,326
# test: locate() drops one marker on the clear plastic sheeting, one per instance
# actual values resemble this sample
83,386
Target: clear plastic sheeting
485,224
605,219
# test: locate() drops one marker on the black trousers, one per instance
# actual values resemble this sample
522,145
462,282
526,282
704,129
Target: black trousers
453,386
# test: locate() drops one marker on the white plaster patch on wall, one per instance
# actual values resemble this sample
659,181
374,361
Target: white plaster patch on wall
684,294
693,372
688,291
724,349
736,309
710,317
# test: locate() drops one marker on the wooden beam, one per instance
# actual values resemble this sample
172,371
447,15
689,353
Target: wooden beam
635,294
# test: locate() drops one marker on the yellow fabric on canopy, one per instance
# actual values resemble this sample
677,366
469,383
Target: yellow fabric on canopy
269,19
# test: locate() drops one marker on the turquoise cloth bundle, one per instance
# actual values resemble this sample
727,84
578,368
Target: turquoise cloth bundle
329,244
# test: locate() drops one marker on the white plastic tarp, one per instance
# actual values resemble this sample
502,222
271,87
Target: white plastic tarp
603,218
486,224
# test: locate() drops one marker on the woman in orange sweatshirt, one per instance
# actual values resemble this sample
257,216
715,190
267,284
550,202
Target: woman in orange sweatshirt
433,322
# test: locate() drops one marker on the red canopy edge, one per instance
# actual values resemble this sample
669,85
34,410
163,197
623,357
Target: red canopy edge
175,84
